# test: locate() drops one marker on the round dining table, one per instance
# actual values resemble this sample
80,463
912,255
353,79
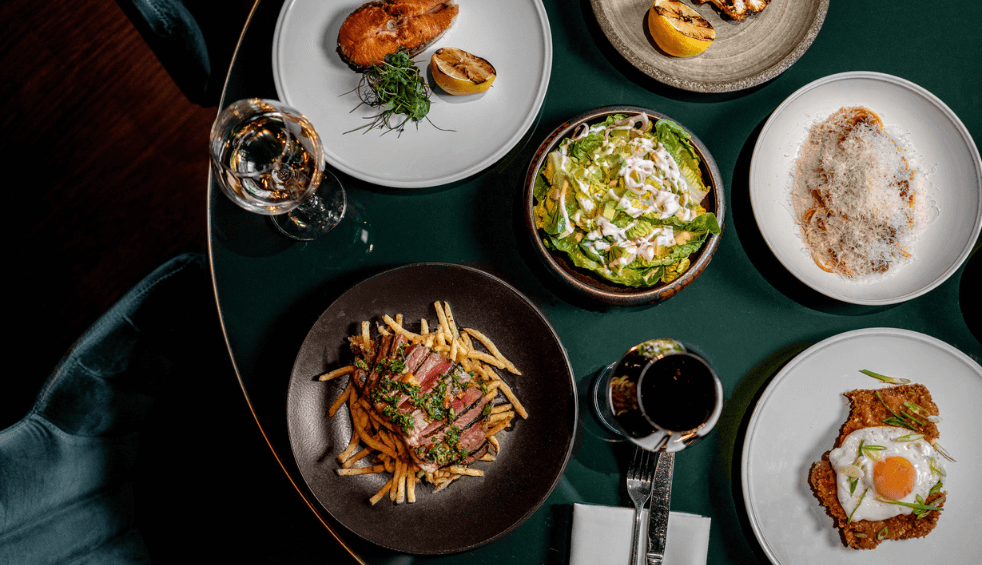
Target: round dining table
746,313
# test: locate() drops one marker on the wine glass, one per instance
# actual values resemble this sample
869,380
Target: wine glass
659,395
269,160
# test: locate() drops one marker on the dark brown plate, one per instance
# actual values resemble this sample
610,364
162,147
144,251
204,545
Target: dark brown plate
587,284
474,510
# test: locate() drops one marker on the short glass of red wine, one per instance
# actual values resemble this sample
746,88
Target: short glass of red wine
268,159
659,395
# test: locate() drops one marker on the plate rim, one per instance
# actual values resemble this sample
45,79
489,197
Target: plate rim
789,368
447,178
960,128
565,363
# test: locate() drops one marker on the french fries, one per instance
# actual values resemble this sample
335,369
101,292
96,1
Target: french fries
377,447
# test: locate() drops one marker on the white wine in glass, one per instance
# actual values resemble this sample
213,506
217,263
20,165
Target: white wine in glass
269,160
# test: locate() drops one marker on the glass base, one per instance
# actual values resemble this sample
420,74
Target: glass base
600,394
318,214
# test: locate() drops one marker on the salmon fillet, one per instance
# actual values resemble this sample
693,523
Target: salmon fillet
378,28
866,411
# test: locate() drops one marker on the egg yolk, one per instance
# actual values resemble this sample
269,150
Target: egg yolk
894,477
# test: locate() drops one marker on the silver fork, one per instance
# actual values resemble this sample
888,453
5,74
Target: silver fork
639,478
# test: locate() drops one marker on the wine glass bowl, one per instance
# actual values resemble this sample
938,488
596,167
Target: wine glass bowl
269,160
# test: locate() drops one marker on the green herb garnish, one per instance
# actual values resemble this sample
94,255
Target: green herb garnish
920,411
914,505
899,422
871,451
896,419
909,417
396,87
861,497
937,446
404,421
453,435
909,437
882,533
884,378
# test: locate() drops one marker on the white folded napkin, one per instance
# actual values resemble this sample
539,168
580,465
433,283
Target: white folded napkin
602,536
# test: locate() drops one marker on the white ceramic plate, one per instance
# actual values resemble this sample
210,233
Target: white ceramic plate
513,35
798,418
942,151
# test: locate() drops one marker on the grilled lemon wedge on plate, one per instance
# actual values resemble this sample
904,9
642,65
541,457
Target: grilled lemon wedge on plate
458,72
678,29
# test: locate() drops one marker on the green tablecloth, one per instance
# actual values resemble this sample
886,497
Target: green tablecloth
745,313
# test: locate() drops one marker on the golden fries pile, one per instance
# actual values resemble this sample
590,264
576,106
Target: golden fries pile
374,438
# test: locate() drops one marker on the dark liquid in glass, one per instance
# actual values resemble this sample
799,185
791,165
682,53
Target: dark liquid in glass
678,392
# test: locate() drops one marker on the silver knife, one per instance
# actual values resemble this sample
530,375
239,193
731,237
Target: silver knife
661,501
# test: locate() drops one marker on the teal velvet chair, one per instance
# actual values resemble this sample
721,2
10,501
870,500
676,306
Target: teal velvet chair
141,448
177,38
67,484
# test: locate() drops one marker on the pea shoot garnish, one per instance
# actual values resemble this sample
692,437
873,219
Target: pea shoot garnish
397,87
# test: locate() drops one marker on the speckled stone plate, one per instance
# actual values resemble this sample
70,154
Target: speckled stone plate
743,55
474,510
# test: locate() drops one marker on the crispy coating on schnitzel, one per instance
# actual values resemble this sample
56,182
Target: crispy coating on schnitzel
866,411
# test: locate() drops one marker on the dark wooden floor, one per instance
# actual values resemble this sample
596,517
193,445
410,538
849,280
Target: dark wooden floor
104,163
105,167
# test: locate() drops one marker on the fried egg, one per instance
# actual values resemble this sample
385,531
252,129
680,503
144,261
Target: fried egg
884,463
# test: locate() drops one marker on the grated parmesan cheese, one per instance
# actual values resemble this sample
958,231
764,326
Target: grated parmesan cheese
852,195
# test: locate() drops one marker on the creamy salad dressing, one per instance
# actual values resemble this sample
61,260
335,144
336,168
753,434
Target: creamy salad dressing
628,179
646,167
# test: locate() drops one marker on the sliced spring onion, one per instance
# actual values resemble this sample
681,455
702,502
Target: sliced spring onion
914,505
909,417
919,410
884,378
890,410
873,452
909,437
937,486
882,533
941,450
861,497
898,421
851,471
936,469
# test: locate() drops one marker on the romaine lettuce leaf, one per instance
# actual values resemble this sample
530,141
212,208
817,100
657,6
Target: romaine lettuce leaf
676,142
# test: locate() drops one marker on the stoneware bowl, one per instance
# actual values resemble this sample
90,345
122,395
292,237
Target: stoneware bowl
587,285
